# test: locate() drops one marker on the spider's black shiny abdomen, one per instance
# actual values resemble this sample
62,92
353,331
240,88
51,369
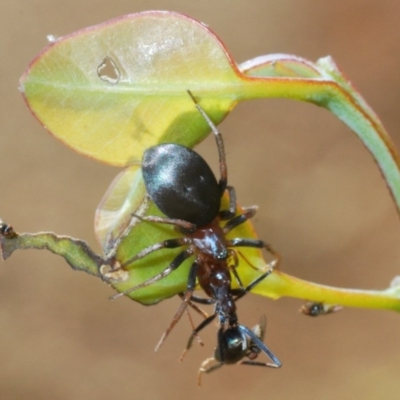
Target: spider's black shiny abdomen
181,184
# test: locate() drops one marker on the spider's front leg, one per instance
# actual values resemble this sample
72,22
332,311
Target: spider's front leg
176,262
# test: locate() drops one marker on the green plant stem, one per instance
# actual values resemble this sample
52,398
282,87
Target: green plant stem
80,257
347,106
75,252
280,284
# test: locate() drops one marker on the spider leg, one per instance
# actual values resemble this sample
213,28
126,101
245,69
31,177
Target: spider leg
166,244
198,338
186,299
195,307
240,292
176,262
206,322
220,144
228,214
199,311
181,223
259,244
240,219
233,254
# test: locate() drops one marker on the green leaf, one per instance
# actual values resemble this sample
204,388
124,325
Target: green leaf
154,58
112,90
114,213
113,116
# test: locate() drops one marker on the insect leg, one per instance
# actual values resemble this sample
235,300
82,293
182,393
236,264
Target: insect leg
206,368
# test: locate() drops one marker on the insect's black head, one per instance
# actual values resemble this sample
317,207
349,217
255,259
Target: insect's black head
232,345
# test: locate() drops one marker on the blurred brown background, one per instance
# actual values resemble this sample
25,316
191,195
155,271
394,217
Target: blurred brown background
322,201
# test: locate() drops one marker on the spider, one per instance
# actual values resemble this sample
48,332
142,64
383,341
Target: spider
182,185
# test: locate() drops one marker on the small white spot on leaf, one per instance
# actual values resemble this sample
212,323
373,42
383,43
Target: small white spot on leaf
108,71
